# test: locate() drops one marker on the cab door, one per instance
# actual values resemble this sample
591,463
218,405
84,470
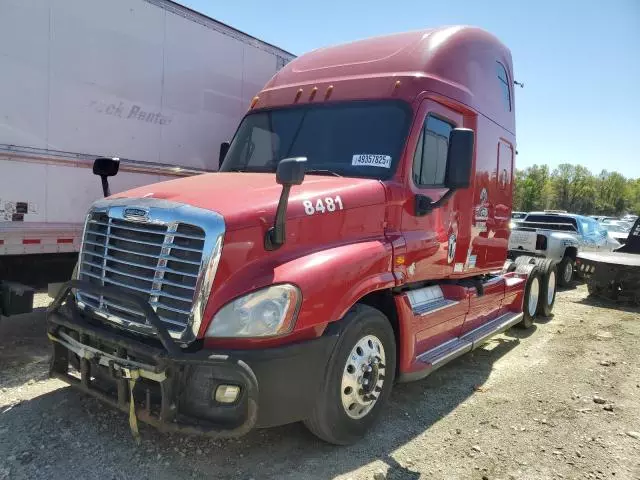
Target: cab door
433,239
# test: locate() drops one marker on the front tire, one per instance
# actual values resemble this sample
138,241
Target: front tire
359,378
565,271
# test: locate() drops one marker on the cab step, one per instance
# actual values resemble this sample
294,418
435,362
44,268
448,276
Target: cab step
452,349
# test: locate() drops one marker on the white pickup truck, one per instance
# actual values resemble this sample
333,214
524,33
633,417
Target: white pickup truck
559,236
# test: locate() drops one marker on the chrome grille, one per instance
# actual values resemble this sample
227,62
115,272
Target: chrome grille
160,260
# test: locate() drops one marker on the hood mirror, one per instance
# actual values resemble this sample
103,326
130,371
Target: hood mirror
106,167
290,172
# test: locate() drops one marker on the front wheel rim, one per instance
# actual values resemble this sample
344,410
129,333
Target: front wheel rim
551,288
534,292
363,377
568,272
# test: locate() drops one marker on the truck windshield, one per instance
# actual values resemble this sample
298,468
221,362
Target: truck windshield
355,139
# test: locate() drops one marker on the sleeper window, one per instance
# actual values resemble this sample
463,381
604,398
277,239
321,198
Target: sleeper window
503,78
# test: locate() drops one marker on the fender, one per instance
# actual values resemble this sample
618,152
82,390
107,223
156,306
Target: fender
363,267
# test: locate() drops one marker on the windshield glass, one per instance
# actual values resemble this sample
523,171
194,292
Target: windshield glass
356,139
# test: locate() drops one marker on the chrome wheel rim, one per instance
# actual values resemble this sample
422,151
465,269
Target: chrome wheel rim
363,377
568,272
534,292
551,288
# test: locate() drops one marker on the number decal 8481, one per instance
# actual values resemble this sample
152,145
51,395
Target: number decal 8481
322,205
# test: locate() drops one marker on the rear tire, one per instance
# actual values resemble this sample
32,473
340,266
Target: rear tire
531,299
548,284
524,260
565,271
347,406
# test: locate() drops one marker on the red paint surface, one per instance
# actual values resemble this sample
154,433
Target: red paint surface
486,307
337,258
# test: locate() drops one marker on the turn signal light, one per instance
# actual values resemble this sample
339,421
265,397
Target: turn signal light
227,393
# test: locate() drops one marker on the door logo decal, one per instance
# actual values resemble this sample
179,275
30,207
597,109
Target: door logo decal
484,196
451,251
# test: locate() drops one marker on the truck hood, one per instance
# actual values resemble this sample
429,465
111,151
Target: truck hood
247,199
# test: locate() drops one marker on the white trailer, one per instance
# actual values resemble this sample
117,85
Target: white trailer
149,81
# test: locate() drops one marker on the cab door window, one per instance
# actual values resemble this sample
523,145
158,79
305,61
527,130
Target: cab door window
430,157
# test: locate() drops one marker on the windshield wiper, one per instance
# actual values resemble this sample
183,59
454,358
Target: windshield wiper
323,172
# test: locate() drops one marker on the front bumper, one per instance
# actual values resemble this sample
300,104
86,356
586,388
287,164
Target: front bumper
172,388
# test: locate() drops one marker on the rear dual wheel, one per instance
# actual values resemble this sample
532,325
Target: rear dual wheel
548,287
531,298
540,289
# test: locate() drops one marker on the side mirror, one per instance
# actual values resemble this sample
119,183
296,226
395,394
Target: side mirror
459,158
105,168
291,171
224,148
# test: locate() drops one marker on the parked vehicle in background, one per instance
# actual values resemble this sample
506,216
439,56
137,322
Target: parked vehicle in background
613,221
617,230
630,218
356,233
603,219
559,236
614,275
518,215
149,81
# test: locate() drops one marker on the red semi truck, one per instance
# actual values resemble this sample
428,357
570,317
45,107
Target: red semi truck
356,235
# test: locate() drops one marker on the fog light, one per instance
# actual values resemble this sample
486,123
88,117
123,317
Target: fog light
227,393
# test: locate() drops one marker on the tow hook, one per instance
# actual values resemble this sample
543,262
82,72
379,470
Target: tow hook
132,376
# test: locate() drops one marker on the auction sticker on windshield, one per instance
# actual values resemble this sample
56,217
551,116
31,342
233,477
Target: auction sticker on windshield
369,160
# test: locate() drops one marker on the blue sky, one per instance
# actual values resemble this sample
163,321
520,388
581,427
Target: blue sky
579,61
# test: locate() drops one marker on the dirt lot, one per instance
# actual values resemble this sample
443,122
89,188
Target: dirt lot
561,400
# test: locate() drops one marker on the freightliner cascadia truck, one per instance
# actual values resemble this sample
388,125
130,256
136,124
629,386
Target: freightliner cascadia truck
355,236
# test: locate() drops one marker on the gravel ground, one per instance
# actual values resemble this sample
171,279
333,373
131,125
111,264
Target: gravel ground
561,400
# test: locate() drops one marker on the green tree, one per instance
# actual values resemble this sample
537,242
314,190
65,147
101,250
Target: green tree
575,189
532,189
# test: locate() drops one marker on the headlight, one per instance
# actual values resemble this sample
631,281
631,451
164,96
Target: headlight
264,313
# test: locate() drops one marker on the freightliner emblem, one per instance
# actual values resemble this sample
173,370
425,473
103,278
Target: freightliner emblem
135,213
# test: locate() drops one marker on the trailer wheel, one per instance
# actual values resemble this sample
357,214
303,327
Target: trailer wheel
565,271
359,378
531,299
548,287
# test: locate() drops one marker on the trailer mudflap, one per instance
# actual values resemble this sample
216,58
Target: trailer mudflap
148,382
